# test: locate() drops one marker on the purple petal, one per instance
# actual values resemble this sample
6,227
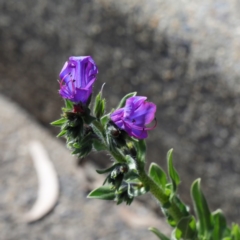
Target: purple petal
145,113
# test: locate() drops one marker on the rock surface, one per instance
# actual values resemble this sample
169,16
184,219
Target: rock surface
183,56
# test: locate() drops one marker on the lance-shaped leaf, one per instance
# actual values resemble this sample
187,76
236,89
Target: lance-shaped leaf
68,104
201,209
160,235
124,99
220,225
235,232
59,122
108,169
186,229
158,175
98,145
103,193
99,105
141,150
172,171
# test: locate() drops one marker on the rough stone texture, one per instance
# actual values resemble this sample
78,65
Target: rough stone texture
74,217
183,56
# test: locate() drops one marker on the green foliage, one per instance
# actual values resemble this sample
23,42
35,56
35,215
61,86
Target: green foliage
160,235
172,171
103,193
158,175
186,229
99,106
141,150
126,177
202,211
59,122
219,225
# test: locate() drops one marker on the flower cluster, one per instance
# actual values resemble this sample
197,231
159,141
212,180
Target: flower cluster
76,82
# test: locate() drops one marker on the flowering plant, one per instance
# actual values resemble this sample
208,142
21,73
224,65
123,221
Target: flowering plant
122,133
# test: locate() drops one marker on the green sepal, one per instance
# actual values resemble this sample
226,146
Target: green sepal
103,193
220,225
160,235
158,175
99,106
186,229
201,210
124,99
68,105
172,171
59,122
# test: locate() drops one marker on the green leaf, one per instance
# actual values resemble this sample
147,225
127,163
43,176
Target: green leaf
63,132
98,145
158,175
99,105
124,99
160,235
202,210
59,122
108,169
235,232
186,229
104,119
103,193
141,150
172,171
68,104
220,225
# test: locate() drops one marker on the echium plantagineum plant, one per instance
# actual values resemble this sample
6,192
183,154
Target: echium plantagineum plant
122,133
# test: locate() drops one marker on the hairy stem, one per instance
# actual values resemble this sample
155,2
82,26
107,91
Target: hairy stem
159,194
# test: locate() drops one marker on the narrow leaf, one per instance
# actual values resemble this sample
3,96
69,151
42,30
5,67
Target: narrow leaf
59,122
220,225
201,209
141,150
160,235
68,104
235,232
99,146
107,169
172,171
63,132
124,99
186,229
158,175
103,193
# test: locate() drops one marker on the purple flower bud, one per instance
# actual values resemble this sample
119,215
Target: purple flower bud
134,117
77,78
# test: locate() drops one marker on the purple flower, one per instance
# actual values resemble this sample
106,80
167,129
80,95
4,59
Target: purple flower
134,117
77,78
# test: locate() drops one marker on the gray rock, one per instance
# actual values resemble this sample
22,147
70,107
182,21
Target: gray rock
183,56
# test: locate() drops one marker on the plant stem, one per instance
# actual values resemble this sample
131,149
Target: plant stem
156,191
159,194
